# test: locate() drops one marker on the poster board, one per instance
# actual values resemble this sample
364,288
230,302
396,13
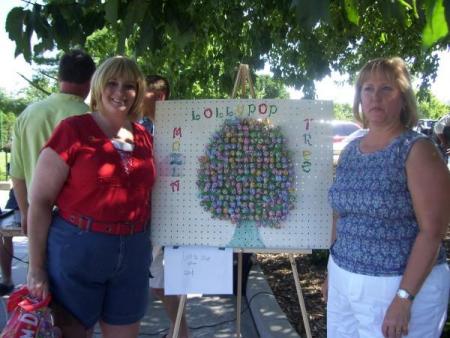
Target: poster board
201,270
184,129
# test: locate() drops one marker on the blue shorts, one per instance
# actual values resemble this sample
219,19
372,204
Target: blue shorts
98,276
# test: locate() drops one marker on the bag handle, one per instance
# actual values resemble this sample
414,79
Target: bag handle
15,298
22,298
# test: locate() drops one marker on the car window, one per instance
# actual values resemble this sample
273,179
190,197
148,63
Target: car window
344,129
357,133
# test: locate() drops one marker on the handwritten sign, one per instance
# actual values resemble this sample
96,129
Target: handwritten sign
184,133
202,270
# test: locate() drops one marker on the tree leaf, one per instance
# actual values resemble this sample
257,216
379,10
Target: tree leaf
309,13
436,25
14,22
135,13
352,11
61,29
447,12
40,24
146,36
111,11
251,31
26,36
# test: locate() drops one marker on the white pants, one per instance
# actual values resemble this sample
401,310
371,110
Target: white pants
357,303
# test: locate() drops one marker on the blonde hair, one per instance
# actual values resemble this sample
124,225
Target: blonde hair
117,67
394,69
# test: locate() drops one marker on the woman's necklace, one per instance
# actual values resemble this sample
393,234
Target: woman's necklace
122,139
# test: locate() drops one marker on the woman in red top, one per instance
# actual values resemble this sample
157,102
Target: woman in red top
93,253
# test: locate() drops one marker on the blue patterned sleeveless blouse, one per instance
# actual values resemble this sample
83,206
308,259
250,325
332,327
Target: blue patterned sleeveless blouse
377,226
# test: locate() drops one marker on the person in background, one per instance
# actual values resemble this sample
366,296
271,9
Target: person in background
93,253
7,252
33,128
158,89
387,272
36,123
442,132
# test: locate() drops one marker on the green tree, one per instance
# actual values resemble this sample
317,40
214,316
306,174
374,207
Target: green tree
268,88
10,104
40,86
197,43
10,108
7,120
431,108
343,111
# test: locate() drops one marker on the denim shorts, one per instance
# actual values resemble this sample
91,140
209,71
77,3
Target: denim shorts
97,276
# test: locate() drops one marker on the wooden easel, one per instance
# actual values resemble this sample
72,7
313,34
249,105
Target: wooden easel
181,307
242,77
298,287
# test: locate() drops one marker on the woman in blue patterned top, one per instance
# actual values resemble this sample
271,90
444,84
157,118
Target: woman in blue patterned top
387,273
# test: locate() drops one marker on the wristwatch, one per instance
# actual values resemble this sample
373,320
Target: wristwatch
403,294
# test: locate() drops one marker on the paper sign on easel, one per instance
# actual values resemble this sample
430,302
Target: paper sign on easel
192,269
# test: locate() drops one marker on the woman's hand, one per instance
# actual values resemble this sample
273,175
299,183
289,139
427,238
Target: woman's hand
37,282
396,319
324,289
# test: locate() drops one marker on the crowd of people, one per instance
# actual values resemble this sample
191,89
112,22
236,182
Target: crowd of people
83,175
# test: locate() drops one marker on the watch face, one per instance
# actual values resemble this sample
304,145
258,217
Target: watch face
404,294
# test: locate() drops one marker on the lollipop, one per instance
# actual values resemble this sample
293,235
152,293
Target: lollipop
247,165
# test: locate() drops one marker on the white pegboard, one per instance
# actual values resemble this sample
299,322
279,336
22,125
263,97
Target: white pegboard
182,131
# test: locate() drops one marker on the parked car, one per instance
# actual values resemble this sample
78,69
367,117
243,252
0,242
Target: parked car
339,146
425,126
340,130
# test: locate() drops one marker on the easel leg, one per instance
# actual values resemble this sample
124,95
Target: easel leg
181,305
242,77
301,300
239,295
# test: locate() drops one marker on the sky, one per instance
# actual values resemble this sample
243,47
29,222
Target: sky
10,66
327,89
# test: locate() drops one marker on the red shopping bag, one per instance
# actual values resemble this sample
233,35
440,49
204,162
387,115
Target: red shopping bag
30,317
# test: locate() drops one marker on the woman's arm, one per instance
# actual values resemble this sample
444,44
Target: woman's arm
429,185
49,177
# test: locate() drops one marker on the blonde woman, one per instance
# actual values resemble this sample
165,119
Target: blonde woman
387,274
93,253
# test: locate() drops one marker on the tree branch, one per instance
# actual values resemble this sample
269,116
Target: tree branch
33,84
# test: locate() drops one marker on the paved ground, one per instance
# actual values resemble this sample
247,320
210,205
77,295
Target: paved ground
208,317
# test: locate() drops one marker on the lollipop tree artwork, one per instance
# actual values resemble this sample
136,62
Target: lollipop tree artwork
246,176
